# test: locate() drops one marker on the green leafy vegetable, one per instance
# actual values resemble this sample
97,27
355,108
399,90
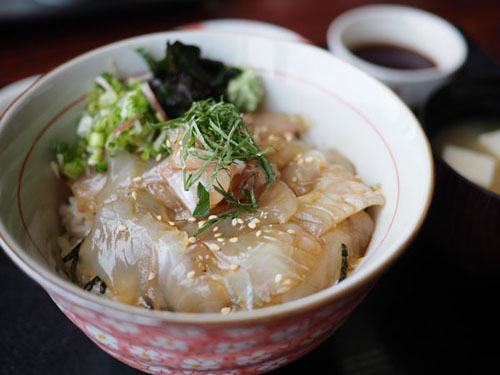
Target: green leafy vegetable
73,256
183,76
216,133
90,285
203,207
345,263
124,115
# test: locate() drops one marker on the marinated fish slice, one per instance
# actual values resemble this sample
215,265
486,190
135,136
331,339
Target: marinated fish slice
355,232
189,279
168,176
264,124
120,248
86,188
280,132
334,156
277,205
336,195
123,170
304,171
141,258
271,265
283,151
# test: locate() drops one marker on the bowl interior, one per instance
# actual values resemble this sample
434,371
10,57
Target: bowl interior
351,112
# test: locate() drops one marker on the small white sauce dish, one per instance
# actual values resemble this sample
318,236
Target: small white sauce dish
404,27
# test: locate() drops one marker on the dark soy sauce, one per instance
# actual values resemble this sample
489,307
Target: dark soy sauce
392,56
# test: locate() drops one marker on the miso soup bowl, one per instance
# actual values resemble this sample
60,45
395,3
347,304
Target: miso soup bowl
464,219
352,112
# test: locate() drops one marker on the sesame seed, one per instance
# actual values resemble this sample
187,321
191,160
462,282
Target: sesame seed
288,137
191,219
239,220
234,267
134,195
201,223
212,217
169,144
214,247
190,274
233,239
171,223
151,276
217,235
137,179
252,225
259,233
121,228
158,217
191,239
158,157
309,159
225,310
249,248
278,278
234,222
215,229
291,231
286,282
294,179
272,137
300,161
220,239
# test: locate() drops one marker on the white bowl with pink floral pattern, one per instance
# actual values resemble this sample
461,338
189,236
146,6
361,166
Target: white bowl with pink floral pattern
352,112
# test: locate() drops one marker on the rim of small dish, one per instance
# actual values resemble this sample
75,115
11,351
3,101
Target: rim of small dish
363,278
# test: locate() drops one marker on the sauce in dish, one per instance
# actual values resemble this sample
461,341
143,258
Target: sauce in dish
392,56
205,205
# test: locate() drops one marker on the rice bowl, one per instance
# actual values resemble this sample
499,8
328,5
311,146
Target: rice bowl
381,137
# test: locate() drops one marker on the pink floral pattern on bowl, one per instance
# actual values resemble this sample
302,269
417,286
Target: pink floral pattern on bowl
184,349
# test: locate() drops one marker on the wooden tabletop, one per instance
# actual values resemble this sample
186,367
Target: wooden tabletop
35,45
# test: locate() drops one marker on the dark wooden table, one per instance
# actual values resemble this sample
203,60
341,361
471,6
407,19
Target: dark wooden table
33,45
424,316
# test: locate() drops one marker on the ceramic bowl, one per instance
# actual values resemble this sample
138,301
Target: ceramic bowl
406,27
352,112
244,26
465,217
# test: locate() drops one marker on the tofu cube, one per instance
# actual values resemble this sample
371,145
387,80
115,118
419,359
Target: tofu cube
475,166
491,141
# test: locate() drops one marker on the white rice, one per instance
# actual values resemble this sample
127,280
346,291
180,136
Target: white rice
76,223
